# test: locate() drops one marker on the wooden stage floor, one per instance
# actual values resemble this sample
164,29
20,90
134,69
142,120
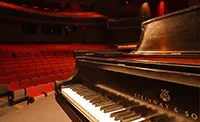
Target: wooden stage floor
44,110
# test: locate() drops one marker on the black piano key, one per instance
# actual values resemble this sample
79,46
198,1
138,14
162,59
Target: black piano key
95,101
87,93
93,97
111,108
123,115
104,103
104,107
130,118
80,90
119,112
98,102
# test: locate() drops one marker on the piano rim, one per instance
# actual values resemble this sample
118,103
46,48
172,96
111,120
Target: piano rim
191,79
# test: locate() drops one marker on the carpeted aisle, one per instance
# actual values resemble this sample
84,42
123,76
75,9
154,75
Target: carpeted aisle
45,110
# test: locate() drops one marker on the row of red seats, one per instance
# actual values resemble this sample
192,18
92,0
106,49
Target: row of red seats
30,75
41,70
36,61
37,92
17,89
32,68
19,92
21,74
51,47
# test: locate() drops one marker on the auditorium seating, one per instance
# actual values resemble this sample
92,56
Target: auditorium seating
47,89
37,81
34,94
23,67
16,92
26,83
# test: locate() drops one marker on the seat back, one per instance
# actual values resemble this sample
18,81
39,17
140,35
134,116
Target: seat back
14,86
26,83
37,81
33,91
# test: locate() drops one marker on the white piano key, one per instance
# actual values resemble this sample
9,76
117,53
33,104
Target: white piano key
94,111
139,120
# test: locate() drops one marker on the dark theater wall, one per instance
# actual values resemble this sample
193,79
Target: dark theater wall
112,7
170,6
12,32
193,2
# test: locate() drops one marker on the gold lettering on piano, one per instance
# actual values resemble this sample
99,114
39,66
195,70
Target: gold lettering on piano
161,105
165,95
149,100
187,113
142,97
155,102
135,95
164,105
194,116
176,109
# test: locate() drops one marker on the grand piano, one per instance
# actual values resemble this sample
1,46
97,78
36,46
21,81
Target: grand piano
159,81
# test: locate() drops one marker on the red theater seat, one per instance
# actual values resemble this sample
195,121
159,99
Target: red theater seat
47,79
39,64
6,67
11,78
63,70
31,69
16,93
22,76
40,73
26,83
2,73
20,70
47,88
34,94
9,71
46,63
56,71
48,72
65,76
15,66
55,77
32,65
32,74
24,65
37,81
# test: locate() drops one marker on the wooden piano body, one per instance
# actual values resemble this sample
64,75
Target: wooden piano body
162,73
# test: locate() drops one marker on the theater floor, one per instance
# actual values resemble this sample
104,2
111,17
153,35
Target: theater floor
44,110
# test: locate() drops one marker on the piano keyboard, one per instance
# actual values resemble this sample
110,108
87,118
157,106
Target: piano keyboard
99,108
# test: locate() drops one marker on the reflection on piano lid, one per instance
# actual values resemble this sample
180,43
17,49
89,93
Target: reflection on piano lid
157,82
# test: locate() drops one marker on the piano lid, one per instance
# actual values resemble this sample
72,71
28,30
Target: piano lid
176,33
